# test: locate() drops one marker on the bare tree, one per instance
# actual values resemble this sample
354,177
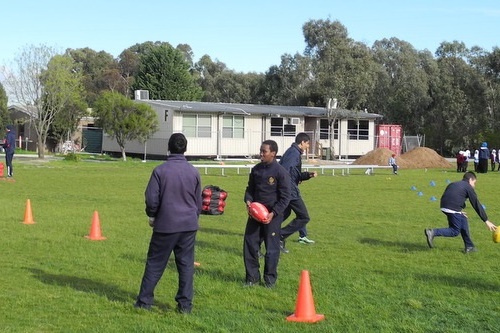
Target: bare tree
23,81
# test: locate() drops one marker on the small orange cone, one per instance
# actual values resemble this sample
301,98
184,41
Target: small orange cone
28,215
95,229
304,309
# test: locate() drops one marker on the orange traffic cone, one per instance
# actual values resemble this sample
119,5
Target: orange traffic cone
28,215
304,309
95,229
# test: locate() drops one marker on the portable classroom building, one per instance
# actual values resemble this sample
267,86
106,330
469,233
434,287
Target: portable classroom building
236,130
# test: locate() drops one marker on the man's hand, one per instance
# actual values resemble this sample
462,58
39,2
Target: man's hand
490,226
269,218
313,174
151,222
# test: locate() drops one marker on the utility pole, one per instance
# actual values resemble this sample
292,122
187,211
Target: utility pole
331,113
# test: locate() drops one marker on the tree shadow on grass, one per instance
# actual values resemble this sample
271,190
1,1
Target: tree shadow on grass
111,292
402,246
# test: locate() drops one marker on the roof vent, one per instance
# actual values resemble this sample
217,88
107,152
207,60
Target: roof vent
141,95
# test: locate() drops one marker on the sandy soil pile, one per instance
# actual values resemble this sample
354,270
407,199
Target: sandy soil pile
417,158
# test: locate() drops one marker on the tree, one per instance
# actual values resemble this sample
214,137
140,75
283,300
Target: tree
63,104
4,112
25,84
164,72
402,90
340,67
100,72
125,120
290,82
459,114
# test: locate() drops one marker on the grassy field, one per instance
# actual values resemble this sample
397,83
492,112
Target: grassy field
370,269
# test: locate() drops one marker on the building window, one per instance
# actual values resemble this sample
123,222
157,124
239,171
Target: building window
197,126
276,126
279,128
358,130
324,129
233,127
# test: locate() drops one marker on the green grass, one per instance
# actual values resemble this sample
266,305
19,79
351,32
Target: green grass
370,269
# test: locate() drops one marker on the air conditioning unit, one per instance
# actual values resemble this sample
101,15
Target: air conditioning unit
294,121
141,95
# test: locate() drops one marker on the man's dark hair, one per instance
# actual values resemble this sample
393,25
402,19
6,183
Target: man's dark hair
177,144
302,137
273,146
469,175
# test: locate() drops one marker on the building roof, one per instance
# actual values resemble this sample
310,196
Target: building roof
251,109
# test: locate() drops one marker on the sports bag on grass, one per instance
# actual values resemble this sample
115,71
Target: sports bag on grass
214,200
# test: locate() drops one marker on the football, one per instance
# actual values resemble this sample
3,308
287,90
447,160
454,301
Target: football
496,235
258,212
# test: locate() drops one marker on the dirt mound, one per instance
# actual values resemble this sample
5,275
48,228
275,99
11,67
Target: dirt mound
379,156
417,158
425,158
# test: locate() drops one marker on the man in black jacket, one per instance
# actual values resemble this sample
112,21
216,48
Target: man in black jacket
10,147
269,184
452,203
292,162
173,205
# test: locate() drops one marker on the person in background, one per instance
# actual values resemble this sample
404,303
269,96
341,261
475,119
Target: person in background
484,157
9,145
497,160
393,164
476,160
269,184
173,205
460,161
493,159
292,162
452,205
465,164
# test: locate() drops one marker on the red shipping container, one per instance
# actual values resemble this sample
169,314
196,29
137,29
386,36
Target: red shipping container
389,136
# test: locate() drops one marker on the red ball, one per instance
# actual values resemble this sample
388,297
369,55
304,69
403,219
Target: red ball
223,195
258,212
207,192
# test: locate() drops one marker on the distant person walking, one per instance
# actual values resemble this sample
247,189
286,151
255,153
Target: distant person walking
173,205
9,145
452,205
292,162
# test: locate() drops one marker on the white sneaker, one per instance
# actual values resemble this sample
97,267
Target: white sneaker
305,240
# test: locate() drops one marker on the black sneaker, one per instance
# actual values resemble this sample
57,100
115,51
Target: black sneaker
140,305
429,234
270,285
469,250
282,246
249,284
183,310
